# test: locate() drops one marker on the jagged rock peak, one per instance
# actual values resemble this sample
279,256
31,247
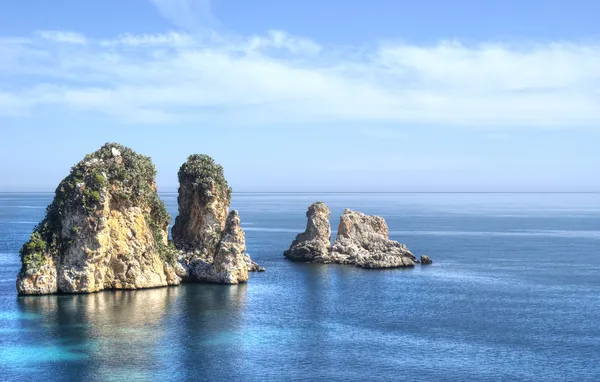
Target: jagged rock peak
105,229
363,240
315,242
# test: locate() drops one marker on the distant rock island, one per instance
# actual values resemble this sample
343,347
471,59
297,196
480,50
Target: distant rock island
107,228
361,240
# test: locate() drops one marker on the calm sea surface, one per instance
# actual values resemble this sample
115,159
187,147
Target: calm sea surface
514,294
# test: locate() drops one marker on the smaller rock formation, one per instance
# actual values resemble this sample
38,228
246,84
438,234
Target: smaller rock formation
314,244
361,240
230,253
252,266
425,260
210,240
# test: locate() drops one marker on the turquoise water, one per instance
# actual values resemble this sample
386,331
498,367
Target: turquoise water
514,294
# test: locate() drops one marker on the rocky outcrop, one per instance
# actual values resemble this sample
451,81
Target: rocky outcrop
210,240
426,260
314,244
230,266
105,229
361,240
204,199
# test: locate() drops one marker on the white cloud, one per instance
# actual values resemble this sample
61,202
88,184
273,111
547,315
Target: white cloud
63,37
282,79
282,40
170,39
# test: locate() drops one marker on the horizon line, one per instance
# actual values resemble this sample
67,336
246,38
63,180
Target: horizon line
356,192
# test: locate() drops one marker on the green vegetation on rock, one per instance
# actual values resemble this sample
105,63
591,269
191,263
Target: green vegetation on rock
114,173
202,171
33,252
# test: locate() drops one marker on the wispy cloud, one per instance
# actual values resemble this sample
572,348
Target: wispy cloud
63,37
279,78
169,40
282,40
190,15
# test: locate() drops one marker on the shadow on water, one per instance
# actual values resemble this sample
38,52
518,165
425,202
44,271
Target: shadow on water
127,335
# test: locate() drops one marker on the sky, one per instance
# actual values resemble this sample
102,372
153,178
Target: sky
307,95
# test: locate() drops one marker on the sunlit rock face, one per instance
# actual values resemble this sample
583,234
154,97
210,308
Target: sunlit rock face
361,240
314,244
105,229
209,238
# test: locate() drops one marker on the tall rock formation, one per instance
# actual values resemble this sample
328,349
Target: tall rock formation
105,229
314,244
363,240
204,199
210,239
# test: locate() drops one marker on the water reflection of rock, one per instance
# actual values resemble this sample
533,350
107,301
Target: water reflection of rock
211,332
139,334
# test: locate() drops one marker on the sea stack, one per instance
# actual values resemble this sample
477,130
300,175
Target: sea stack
314,244
105,229
209,238
361,240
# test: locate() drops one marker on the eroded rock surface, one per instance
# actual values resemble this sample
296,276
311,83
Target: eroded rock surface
314,244
209,238
105,229
363,240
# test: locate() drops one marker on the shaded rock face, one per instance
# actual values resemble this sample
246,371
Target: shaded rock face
313,245
105,229
363,240
210,240
425,260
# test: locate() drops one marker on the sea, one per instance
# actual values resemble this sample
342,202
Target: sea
513,295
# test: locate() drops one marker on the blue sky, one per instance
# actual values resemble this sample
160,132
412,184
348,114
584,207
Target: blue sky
308,95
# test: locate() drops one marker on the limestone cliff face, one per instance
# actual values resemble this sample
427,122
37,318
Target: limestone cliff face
105,229
210,239
314,244
363,240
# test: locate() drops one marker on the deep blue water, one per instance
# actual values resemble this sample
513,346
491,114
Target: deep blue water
514,294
